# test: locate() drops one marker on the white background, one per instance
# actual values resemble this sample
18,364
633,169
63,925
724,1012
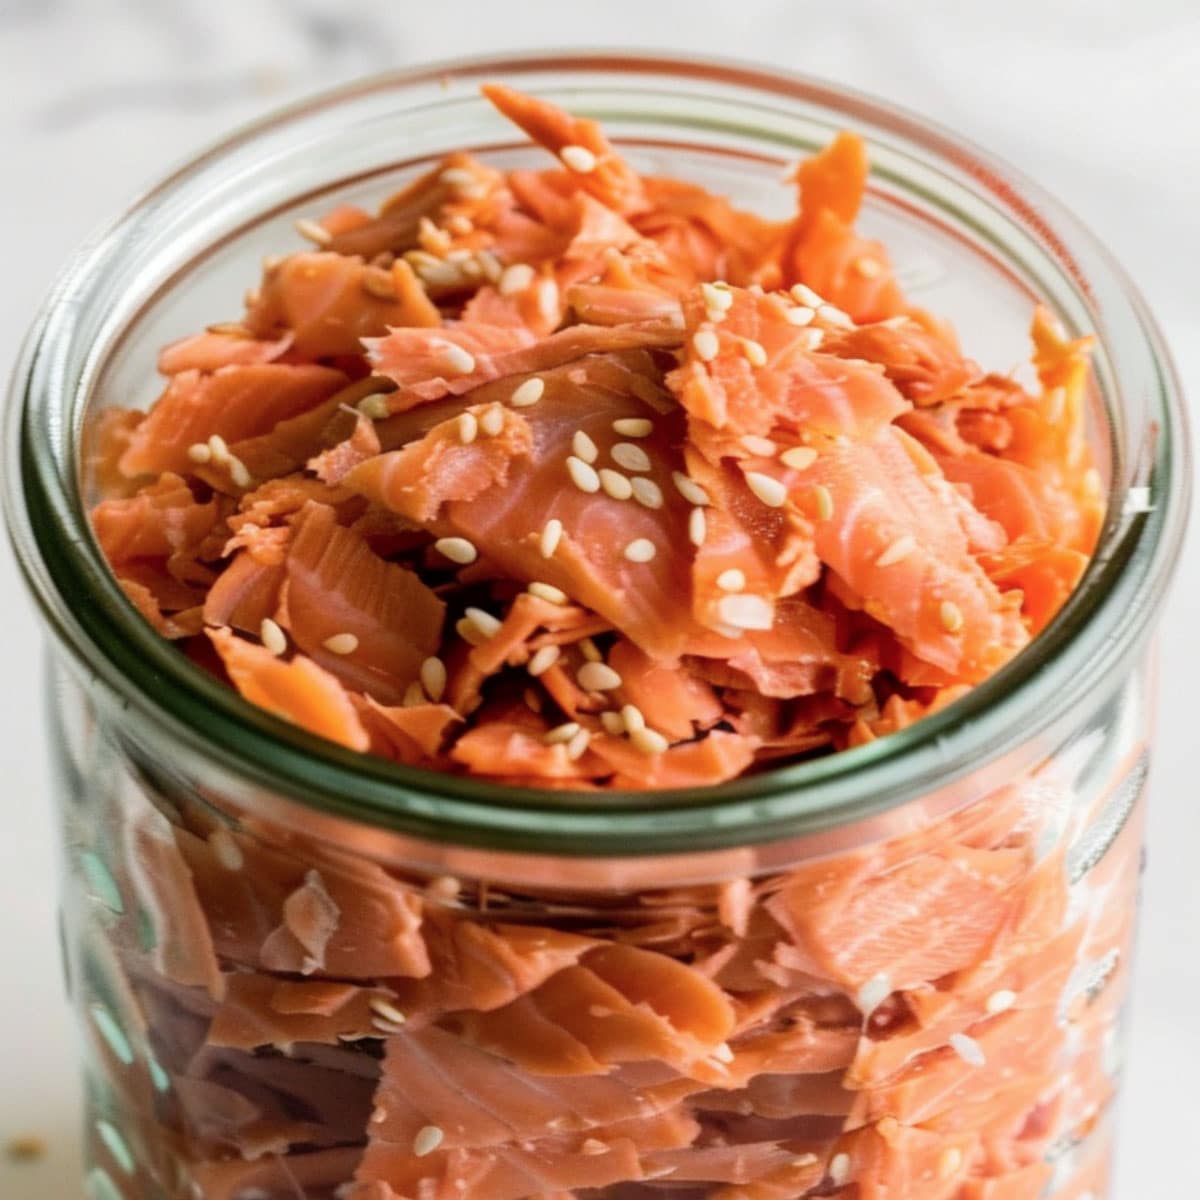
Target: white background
1099,99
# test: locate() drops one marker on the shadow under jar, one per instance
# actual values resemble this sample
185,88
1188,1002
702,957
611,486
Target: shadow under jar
899,971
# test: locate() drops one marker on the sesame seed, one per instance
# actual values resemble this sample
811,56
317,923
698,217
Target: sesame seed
637,427
640,550
457,177
597,677
561,734
578,745
746,611
468,427
647,493
839,1169
428,1139
762,446
803,294
389,1012
799,458
551,533
593,1147
528,393
584,447
868,268
804,1160
898,551
492,421
720,298
341,643
376,407
613,722
950,1161
493,268
378,283
633,718
732,580
487,624
548,592
578,158
590,650
533,701
433,678
1000,1001
648,741
801,314
199,452
543,659
583,475
968,1049
414,695
951,616
456,549
547,299
238,473
272,637
697,527
754,351
615,484
469,632
873,993
218,450
814,338
228,852
689,489
768,489
460,256
706,345
516,278
309,229
824,501
453,358
630,456
439,274
832,315
459,224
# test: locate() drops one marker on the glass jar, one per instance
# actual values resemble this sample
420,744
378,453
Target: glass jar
299,972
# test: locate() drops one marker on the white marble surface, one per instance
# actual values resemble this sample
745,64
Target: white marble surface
1100,99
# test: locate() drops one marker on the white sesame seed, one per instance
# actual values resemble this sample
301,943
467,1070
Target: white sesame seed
516,278
697,527
597,677
633,718
461,256
744,611
218,450
839,1169
968,1049
761,446
389,1012
378,283
457,177
873,993
799,458
341,643
433,678
805,295
583,475
832,315
551,533
647,493
867,267
548,592
376,407
272,637
706,345
428,1139
492,267
637,427
689,489
732,580
456,549
640,550
460,225
630,456
547,300
528,393
754,351
578,158
648,741
439,274
824,501
238,473
951,616
898,551
584,447
950,1160
228,852
594,1147
453,358
468,427
804,1160
561,734
1000,1001
543,659
615,484
309,229
717,298
814,337
590,650
414,695
469,632
801,314
199,452
613,722
491,422
768,489
487,624
578,745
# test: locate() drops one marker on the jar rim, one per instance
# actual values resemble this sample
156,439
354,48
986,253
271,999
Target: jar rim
1101,625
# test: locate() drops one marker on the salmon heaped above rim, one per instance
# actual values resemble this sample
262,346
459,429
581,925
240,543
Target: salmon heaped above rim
578,477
